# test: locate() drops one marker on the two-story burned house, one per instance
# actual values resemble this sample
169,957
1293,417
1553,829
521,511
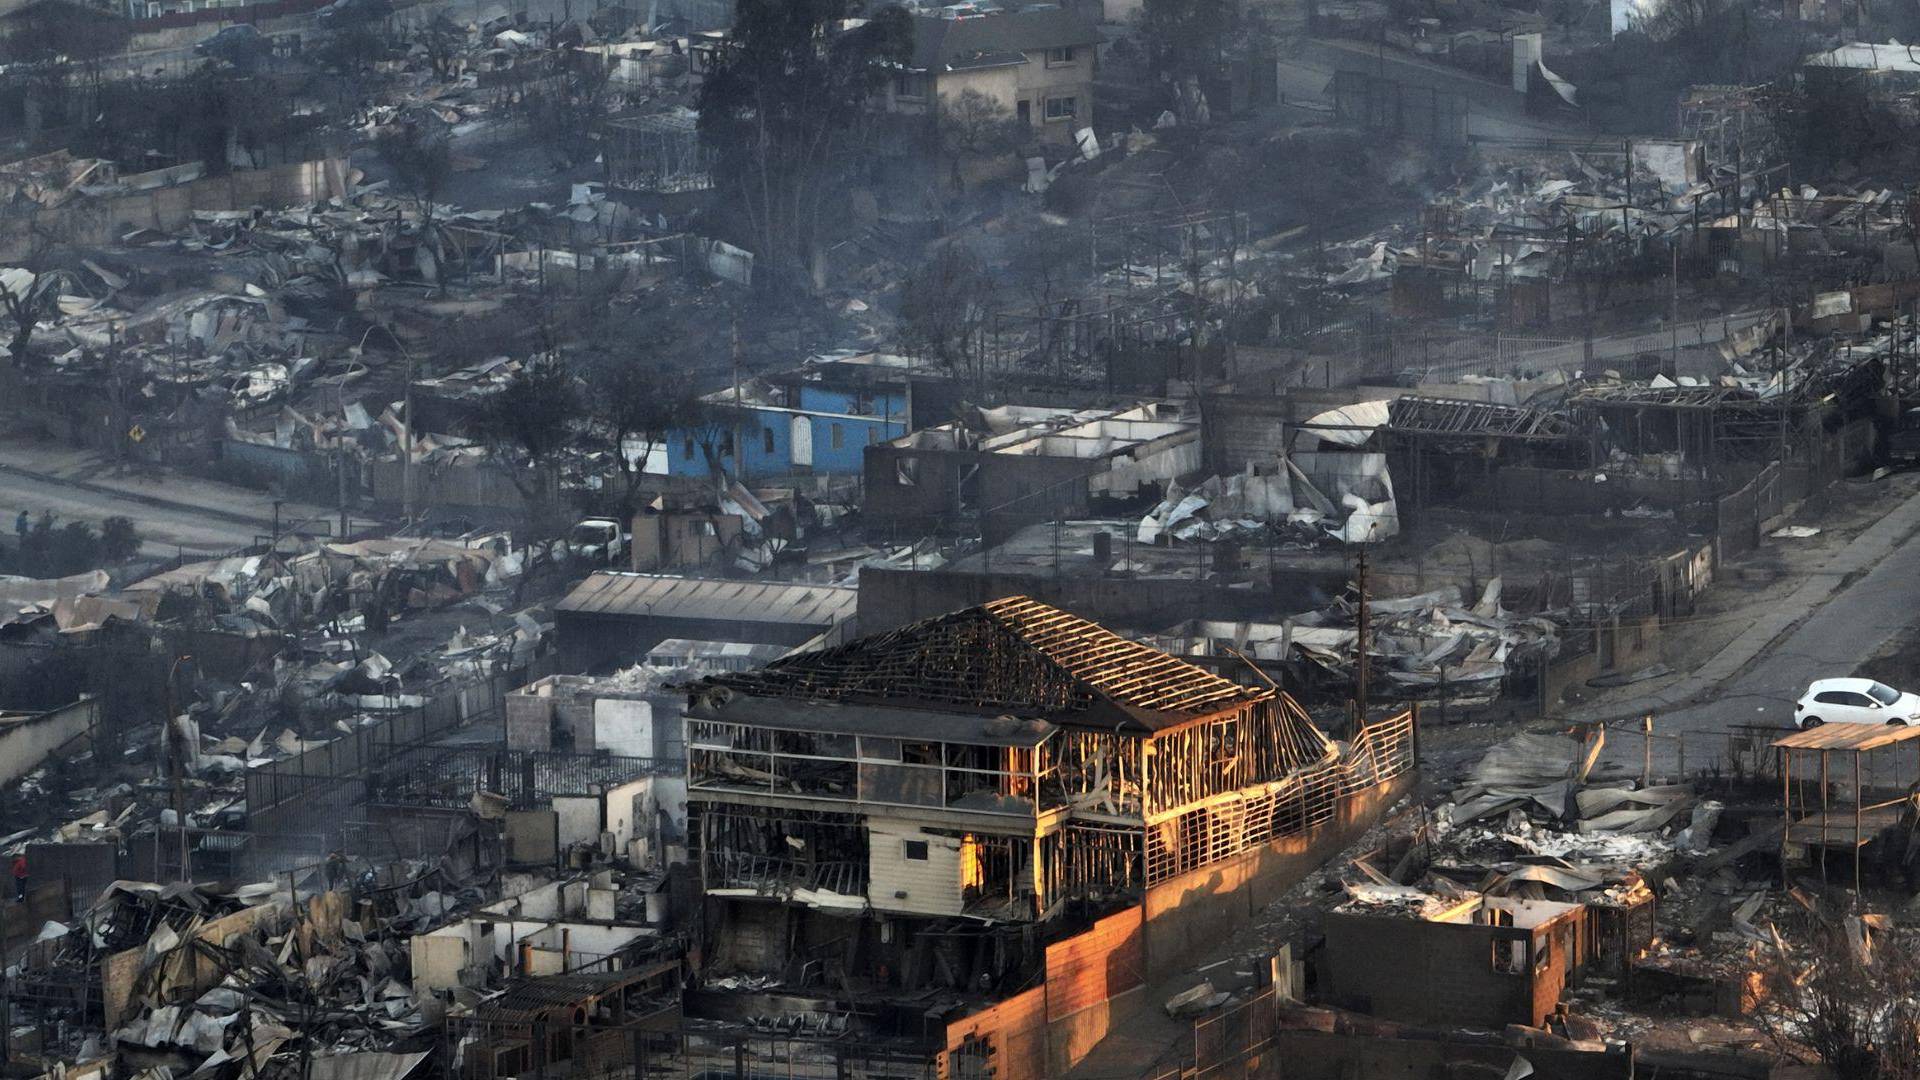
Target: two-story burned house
991,765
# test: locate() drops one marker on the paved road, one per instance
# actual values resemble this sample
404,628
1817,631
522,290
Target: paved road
173,513
1691,334
1837,620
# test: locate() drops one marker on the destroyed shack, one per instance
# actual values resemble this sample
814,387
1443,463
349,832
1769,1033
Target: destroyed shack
1017,465
584,1023
1483,960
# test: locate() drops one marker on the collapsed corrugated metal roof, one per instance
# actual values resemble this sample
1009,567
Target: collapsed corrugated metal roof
618,593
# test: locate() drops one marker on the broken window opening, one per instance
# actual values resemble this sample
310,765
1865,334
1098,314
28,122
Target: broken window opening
915,850
779,852
1509,957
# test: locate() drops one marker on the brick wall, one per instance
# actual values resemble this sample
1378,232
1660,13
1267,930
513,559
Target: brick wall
1087,969
1012,1034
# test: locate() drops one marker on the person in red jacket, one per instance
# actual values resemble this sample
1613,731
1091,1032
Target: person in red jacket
20,876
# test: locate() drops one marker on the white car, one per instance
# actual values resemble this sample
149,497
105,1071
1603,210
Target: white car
1854,701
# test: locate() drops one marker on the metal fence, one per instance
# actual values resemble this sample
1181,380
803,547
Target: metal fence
689,1053
448,778
328,784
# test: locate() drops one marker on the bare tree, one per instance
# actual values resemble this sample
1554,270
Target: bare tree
633,405
530,421
944,310
566,114
421,157
782,106
972,125
60,53
1847,997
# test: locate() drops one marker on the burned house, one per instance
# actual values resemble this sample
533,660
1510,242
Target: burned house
995,764
1483,960
1017,465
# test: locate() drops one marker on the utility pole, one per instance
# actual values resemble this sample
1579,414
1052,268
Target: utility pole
1360,647
176,769
1673,317
340,485
406,468
739,448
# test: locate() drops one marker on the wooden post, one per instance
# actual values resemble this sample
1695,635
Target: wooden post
1857,845
1646,750
1786,806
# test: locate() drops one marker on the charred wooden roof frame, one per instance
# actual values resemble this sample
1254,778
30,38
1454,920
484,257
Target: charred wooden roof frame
1010,655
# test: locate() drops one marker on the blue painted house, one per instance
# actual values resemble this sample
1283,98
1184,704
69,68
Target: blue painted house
817,418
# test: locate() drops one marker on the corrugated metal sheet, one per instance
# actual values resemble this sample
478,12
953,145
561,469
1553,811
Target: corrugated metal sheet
931,885
663,596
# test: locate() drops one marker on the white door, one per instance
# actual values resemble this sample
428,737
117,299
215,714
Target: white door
801,445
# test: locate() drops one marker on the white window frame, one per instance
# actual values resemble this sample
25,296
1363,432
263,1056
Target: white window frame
1072,112
1071,58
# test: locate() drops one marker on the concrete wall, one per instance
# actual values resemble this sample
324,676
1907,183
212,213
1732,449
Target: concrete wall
1016,1029
439,957
627,815
529,721
531,836
1315,1055
579,818
1427,972
1092,978
26,742
624,727
916,491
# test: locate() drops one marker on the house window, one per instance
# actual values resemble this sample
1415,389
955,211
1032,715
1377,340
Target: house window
837,438
1062,108
914,849
910,87
766,439
1060,56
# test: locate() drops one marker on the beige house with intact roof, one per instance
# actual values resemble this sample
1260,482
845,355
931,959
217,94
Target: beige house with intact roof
1036,63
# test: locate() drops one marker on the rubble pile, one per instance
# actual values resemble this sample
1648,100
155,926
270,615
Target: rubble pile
1417,644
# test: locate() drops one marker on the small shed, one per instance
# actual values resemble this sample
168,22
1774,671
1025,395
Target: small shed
1874,799
1486,960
